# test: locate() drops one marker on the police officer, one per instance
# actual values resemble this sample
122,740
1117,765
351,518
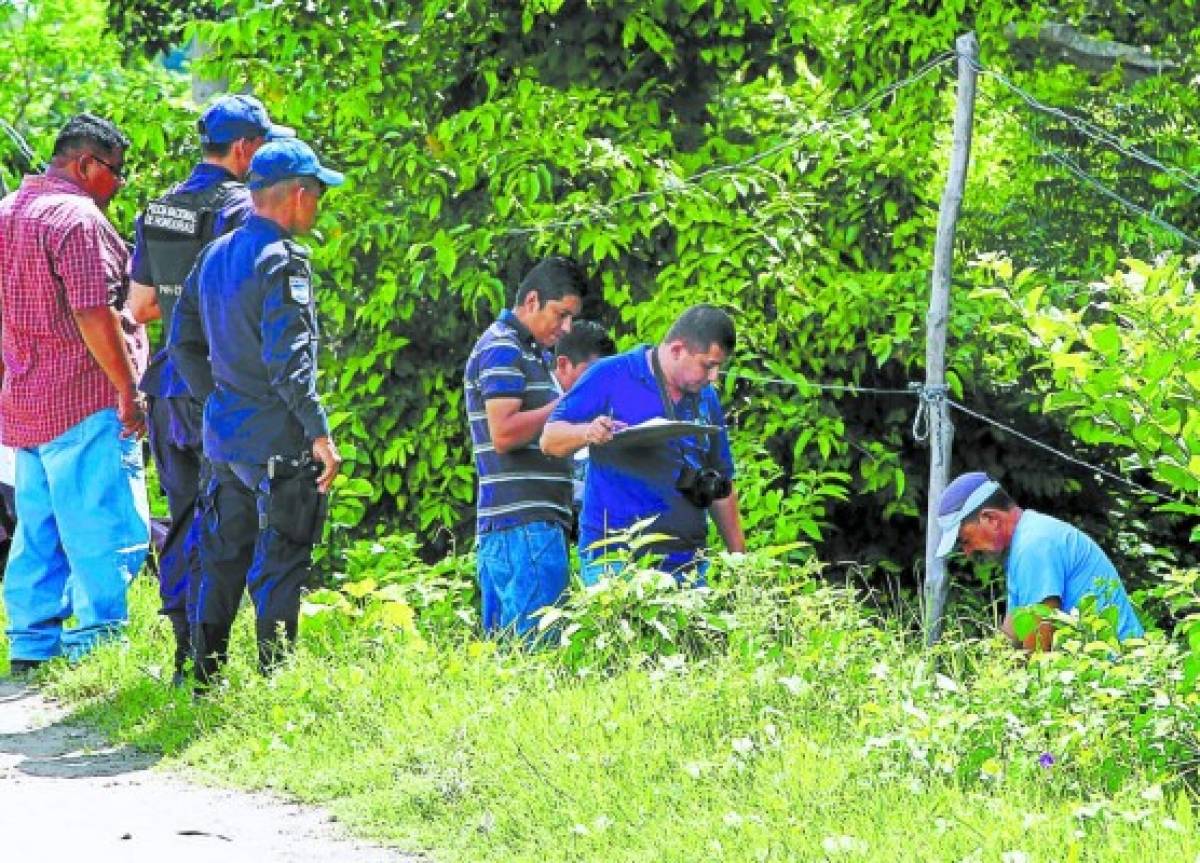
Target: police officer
244,337
170,233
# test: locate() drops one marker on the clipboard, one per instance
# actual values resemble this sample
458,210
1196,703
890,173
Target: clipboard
657,430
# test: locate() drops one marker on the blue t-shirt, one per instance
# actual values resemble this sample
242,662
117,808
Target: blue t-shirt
523,485
1048,557
626,484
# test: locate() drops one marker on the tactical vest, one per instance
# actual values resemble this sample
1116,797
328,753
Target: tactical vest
175,228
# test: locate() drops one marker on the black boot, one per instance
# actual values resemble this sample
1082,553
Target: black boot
210,643
183,644
275,640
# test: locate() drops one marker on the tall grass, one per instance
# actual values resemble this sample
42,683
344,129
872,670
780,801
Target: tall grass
806,729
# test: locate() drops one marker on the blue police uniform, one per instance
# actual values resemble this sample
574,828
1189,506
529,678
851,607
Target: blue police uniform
170,234
244,337
210,202
248,309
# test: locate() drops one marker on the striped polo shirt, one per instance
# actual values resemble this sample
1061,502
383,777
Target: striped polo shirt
523,485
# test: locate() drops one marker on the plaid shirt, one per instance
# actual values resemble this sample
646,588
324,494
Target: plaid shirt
58,253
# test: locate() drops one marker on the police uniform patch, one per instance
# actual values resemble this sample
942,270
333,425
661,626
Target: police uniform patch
298,287
173,220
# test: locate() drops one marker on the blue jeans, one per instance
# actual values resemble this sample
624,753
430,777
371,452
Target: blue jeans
521,569
83,532
684,565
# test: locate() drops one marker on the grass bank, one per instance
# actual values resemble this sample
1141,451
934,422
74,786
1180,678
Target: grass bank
805,730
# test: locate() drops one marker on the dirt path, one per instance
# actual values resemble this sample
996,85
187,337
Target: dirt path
65,793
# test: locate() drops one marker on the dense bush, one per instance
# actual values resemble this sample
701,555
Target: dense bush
482,136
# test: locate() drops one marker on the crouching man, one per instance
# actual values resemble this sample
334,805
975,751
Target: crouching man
1046,561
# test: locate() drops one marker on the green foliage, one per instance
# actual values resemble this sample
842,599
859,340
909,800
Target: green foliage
155,26
482,136
647,616
1181,592
1126,367
384,583
1089,716
1119,359
1074,717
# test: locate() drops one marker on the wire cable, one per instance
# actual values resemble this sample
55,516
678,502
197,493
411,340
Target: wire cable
1116,477
1092,130
679,185
930,395
833,388
1072,167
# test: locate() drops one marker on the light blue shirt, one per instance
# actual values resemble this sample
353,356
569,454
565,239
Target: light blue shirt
1049,557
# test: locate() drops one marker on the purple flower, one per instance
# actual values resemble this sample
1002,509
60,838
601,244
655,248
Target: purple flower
1046,760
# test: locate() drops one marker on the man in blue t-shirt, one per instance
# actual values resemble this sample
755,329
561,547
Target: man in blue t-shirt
524,500
675,482
1046,561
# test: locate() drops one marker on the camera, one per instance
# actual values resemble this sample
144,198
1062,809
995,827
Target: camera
701,486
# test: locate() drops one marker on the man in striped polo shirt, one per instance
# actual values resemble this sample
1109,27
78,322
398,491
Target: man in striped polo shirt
524,500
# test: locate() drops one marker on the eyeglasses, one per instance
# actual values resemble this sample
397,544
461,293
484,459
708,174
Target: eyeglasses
117,172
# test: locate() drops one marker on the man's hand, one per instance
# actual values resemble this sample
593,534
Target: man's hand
562,439
142,302
131,411
1042,637
602,429
326,453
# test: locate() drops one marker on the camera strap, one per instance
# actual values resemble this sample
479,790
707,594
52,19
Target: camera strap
656,367
710,451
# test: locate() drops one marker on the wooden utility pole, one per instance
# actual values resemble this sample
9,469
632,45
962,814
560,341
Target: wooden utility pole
941,432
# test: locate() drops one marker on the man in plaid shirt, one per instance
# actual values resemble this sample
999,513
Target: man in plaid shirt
69,405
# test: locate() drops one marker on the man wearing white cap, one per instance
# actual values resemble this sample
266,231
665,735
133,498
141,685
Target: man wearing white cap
1046,561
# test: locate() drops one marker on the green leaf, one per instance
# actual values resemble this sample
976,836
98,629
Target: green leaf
1025,622
1106,338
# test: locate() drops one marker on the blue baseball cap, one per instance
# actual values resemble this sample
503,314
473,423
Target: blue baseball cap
961,498
230,118
284,160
